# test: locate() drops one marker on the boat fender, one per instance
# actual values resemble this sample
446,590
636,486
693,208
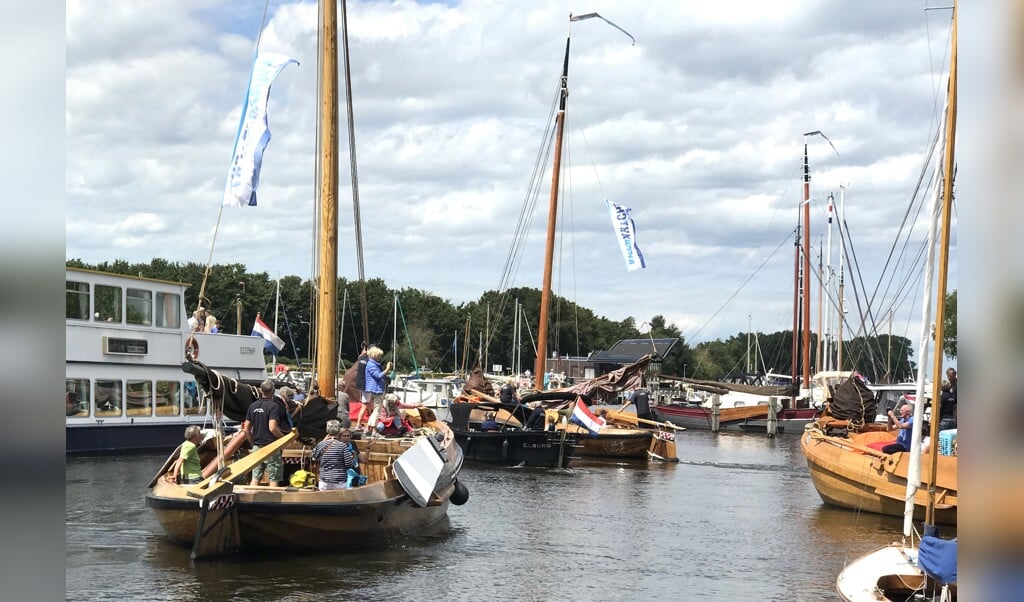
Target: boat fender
504,451
192,349
461,494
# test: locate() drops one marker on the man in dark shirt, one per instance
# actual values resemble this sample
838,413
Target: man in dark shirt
263,426
508,393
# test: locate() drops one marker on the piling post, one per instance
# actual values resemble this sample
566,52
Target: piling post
773,415
716,410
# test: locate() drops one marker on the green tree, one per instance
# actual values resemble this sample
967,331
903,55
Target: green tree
949,326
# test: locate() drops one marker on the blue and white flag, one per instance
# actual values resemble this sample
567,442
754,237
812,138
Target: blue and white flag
253,132
271,342
625,231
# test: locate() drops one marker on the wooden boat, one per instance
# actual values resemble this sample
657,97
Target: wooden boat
849,473
410,480
513,444
224,514
903,571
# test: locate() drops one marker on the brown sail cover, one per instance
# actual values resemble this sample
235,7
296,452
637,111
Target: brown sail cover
853,401
605,388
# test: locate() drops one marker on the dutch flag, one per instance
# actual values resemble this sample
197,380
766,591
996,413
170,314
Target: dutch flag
582,416
271,342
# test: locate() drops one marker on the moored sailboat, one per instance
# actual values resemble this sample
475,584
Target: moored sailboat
901,570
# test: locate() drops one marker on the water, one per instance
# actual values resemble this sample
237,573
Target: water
738,518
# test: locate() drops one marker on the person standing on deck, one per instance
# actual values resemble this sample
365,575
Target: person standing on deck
334,457
376,383
262,427
508,393
187,465
947,411
364,397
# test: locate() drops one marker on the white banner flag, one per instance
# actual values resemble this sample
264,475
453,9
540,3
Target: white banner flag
625,231
253,132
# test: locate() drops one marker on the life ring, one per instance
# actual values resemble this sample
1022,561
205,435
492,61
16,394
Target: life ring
192,348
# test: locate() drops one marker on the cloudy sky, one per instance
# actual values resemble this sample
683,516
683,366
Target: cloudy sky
698,127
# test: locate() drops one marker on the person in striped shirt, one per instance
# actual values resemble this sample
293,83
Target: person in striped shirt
335,456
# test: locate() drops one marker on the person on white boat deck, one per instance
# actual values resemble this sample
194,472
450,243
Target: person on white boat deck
376,382
262,427
334,457
904,424
187,465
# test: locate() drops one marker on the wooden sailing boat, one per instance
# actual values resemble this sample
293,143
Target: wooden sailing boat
410,480
902,570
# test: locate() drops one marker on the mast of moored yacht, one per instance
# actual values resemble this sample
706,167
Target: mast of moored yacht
327,301
947,206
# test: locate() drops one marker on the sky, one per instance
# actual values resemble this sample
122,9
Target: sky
698,127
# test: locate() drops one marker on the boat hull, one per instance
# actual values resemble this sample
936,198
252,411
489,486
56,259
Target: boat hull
861,478
518,447
289,519
616,443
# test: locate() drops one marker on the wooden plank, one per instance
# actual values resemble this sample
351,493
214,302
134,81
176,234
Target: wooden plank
238,469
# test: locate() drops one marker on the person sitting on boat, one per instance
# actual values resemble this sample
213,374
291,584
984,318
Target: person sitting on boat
335,457
489,423
536,420
508,393
262,427
376,382
392,421
188,465
904,424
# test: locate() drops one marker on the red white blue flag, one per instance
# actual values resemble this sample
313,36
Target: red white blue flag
582,416
271,342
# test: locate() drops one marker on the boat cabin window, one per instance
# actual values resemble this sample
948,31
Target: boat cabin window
108,303
168,310
140,398
76,304
139,306
168,398
77,397
192,401
108,397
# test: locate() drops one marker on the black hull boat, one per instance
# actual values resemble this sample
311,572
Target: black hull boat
513,444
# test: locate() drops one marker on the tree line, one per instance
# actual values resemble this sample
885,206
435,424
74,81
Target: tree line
433,334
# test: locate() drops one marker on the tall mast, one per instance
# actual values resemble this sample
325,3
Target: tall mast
805,276
940,309
842,291
327,303
549,248
277,311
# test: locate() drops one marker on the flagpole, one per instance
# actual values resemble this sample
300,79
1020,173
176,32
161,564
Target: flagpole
277,312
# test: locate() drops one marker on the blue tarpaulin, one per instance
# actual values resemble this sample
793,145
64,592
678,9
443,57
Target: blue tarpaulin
937,557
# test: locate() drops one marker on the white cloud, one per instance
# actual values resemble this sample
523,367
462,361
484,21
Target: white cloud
698,128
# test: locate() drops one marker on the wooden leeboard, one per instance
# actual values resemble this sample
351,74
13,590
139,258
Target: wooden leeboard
237,469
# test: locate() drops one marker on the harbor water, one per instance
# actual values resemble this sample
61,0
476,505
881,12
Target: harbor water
736,519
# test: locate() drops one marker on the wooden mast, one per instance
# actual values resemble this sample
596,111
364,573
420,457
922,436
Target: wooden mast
940,306
549,249
327,303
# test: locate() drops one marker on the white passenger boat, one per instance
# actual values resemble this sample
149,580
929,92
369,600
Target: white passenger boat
125,343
